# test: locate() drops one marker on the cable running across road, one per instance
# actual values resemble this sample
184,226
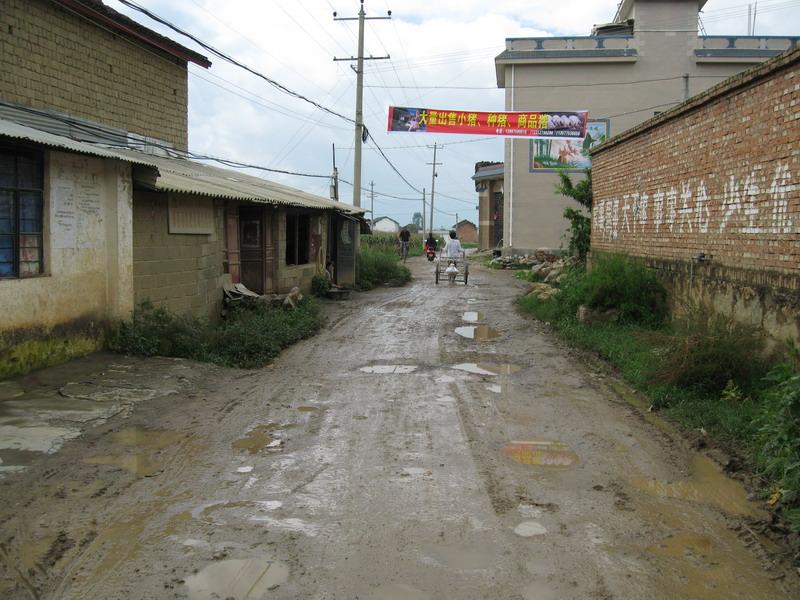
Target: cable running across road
233,61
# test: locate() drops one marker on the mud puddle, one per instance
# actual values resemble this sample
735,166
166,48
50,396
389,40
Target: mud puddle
542,453
260,438
148,438
481,333
308,408
239,579
389,369
487,368
697,566
707,485
139,464
472,316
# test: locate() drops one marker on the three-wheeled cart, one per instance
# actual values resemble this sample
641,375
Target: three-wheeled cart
461,263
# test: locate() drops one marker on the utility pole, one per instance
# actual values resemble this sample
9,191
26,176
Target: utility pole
423,213
335,178
372,203
456,227
434,175
360,131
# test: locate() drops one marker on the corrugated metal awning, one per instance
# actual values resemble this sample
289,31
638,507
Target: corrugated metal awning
182,175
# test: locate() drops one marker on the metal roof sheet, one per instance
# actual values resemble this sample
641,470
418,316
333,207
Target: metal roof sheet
186,176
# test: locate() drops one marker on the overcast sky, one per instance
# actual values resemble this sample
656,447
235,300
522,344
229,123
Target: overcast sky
235,115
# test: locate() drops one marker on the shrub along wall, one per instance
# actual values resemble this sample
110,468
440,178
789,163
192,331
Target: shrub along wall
707,193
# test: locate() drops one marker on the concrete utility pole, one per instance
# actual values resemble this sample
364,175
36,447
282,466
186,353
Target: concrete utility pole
372,203
335,178
434,175
360,131
423,213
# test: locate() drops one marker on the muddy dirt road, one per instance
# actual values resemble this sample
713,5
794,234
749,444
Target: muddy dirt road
430,443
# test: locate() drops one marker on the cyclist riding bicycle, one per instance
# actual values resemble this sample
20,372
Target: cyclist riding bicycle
405,238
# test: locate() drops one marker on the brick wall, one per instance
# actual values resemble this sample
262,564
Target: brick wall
53,59
181,272
717,176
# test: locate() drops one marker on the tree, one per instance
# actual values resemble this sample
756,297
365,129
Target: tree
417,220
580,223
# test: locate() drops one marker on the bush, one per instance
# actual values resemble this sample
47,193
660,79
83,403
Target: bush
710,352
619,283
778,453
320,285
376,267
249,337
580,225
390,244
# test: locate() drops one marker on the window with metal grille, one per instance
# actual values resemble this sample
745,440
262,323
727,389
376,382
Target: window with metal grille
298,238
21,209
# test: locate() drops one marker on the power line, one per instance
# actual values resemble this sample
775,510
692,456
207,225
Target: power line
233,61
174,153
542,85
389,162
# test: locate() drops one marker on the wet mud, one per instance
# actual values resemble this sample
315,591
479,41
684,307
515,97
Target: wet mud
386,458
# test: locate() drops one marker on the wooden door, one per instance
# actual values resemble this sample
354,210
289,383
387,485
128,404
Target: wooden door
251,247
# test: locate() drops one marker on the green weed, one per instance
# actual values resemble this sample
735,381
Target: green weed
248,338
376,267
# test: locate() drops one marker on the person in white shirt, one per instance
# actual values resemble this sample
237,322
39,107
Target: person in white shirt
452,249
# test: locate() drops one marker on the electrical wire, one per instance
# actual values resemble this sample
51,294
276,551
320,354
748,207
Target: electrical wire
172,152
233,61
550,85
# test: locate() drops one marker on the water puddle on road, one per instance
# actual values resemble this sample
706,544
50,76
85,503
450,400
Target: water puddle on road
138,464
389,369
472,316
259,438
541,453
308,408
487,368
148,438
530,529
707,485
241,579
398,591
482,333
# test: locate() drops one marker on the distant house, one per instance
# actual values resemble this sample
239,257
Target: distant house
489,180
385,225
466,231
100,209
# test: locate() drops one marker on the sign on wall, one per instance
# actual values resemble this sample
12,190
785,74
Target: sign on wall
556,125
548,155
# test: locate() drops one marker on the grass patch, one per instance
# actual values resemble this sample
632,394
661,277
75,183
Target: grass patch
248,338
703,372
390,243
378,267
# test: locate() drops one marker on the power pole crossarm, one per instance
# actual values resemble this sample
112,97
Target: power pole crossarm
359,128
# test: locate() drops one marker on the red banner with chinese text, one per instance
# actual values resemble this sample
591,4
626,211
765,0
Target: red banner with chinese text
556,125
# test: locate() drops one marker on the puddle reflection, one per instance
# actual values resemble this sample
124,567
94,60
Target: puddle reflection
242,579
542,453
482,333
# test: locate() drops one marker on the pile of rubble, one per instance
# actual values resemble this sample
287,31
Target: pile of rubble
551,274
521,261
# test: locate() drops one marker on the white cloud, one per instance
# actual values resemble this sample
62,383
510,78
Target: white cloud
449,42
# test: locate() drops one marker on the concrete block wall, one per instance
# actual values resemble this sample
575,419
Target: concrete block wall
718,177
181,272
56,60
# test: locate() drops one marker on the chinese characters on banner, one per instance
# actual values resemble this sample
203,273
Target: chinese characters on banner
547,125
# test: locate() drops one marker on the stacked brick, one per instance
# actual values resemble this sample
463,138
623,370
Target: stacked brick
717,176
56,60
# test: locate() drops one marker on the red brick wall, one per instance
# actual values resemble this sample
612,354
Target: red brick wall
721,178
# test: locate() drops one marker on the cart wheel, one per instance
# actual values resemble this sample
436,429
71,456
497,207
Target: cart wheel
466,277
437,276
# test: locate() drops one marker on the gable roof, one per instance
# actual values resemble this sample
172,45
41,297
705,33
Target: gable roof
105,16
465,222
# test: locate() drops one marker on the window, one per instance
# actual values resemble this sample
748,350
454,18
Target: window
21,207
298,238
